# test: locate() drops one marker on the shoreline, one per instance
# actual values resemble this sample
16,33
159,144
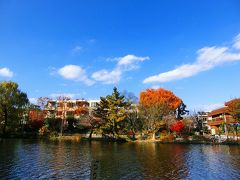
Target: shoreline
79,138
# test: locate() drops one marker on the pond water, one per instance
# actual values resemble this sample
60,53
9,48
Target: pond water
38,159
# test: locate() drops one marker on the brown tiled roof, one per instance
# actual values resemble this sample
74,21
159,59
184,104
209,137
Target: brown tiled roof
219,111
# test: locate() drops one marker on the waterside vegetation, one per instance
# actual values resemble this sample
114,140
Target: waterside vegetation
159,115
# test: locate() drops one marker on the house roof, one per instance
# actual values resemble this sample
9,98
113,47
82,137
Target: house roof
219,111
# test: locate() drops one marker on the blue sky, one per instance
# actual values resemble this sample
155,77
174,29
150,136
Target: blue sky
85,48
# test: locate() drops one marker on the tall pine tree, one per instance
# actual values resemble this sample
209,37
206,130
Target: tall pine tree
112,111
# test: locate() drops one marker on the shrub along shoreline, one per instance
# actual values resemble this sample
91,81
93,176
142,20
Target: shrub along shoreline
158,116
121,139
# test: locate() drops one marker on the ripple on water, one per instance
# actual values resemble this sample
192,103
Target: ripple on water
25,159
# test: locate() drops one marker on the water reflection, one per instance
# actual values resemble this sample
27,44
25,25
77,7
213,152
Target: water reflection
31,159
214,162
162,161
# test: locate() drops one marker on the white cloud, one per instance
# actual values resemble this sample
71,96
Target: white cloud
237,42
5,72
208,58
130,59
74,72
108,77
125,63
76,50
207,107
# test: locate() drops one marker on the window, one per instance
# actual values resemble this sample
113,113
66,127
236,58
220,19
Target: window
59,113
70,105
60,105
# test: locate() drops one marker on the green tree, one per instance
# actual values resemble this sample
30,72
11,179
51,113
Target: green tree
53,124
72,123
112,111
181,111
13,104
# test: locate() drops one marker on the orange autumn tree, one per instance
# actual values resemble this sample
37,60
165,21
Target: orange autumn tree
155,104
234,108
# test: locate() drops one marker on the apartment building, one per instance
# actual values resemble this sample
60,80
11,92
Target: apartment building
218,117
93,103
203,117
69,108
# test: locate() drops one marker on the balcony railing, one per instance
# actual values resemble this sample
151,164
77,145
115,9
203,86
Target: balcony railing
219,121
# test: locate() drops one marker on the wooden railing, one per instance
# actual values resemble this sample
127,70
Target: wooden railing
219,121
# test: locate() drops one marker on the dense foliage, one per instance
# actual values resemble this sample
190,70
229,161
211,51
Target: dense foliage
13,103
234,108
112,111
177,127
117,114
155,104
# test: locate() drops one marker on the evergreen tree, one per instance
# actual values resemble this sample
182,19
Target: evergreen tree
112,111
181,111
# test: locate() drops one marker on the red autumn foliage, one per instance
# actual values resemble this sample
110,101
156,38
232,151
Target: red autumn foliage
82,111
36,115
177,126
34,125
36,120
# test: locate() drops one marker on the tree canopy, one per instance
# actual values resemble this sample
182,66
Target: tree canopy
156,97
12,106
155,104
234,108
112,111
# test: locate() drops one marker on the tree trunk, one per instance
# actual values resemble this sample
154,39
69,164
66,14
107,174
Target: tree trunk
113,133
154,136
236,130
133,134
61,130
113,128
90,135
